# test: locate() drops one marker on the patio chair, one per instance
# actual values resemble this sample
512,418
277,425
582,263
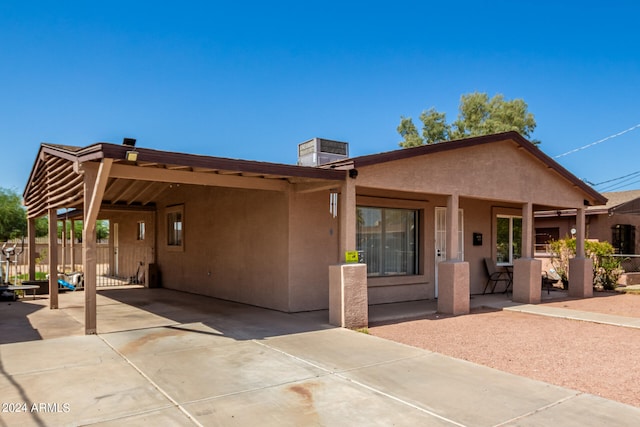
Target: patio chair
495,276
549,278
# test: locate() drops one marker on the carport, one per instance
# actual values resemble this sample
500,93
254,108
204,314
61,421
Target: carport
124,181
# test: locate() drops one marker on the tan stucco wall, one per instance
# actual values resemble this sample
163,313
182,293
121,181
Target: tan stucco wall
235,244
313,247
498,171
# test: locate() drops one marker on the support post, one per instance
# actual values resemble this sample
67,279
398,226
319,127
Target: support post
347,208
31,236
580,267
72,245
53,259
95,182
527,271
64,246
453,274
348,300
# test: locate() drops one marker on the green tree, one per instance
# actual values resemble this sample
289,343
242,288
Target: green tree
102,230
477,115
13,218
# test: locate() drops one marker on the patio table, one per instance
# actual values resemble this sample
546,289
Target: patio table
20,288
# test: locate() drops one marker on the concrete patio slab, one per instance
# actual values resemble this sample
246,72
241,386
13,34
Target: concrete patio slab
339,350
579,411
565,313
89,385
212,362
444,385
163,417
322,401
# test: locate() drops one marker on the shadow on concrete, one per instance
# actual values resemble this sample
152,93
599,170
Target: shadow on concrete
175,309
15,325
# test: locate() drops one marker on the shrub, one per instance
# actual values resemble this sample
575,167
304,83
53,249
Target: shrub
606,267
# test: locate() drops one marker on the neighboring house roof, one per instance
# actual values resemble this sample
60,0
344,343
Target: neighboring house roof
619,202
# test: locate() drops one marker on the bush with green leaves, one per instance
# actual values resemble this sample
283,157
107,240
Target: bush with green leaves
606,267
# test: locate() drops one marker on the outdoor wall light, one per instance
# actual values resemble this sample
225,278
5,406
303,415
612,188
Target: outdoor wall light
132,156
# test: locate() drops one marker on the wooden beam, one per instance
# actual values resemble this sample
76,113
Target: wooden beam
31,235
183,177
53,259
311,187
95,182
97,192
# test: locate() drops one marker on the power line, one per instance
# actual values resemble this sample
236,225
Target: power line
598,142
620,185
617,179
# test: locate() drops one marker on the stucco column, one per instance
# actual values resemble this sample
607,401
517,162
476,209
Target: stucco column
527,230
53,259
348,293
580,267
348,299
453,207
348,220
31,236
527,271
453,274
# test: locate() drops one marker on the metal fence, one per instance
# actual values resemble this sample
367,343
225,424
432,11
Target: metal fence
629,263
126,270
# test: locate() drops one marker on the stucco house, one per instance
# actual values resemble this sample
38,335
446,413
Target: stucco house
423,220
615,222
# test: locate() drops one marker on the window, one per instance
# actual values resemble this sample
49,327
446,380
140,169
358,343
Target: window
544,236
388,240
508,239
175,227
623,238
141,230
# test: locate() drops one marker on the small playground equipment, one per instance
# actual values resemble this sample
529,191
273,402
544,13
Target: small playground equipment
7,252
71,281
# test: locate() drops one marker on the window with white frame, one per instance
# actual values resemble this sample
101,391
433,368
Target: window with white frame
508,239
175,227
388,240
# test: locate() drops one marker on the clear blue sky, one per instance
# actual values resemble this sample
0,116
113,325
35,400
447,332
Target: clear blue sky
252,79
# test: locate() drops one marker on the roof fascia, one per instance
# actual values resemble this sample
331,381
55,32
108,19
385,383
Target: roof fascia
200,161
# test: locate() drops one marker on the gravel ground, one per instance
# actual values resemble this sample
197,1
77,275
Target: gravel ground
598,359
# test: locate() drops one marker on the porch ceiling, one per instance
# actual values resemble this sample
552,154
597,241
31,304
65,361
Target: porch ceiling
57,181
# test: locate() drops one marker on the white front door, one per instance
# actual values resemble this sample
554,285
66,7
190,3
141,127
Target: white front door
441,239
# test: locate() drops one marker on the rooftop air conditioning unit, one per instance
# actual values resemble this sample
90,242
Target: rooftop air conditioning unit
318,151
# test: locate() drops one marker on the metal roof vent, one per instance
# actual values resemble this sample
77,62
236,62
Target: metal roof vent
318,151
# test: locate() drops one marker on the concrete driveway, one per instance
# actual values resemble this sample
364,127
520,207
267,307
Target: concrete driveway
168,358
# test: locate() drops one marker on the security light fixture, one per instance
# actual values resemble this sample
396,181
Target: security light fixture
129,142
132,156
